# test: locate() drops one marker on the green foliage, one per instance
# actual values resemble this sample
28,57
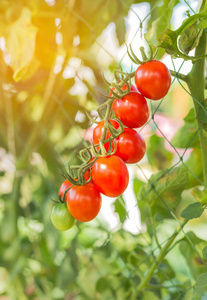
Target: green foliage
157,154
161,24
189,39
120,208
164,188
192,211
200,286
43,124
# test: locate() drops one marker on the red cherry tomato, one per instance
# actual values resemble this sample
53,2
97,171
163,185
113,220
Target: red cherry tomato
153,79
110,176
132,110
84,202
124,88
98,130
66,184
130,146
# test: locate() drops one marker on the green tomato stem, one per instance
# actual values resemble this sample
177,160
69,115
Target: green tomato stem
163,252
196,84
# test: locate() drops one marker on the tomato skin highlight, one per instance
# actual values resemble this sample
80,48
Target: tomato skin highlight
110,176
153,79
132,110
61,217
131,146
98,130
84,202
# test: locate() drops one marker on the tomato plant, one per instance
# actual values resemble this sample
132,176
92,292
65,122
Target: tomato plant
61,217
132,110
130,146
84,202
153,79
64,186
110,176
124,88
98,131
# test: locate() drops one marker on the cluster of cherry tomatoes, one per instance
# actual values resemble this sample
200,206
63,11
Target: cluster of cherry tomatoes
110,175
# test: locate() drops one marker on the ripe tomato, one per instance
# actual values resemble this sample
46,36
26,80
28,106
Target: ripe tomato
110,176
61,217
98,130
84,202
153,79
124,88
132,110
66,184
130,146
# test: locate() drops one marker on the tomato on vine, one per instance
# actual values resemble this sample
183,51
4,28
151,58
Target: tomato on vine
124,88
130,146
132,110
110,176
153,79
61,217
98,131
84,202
64,186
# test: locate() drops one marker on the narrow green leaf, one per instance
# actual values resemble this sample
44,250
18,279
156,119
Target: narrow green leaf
192,211
201,284
137,185
120,208
204,251
120,30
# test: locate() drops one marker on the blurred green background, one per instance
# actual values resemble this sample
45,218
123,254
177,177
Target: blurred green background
53,55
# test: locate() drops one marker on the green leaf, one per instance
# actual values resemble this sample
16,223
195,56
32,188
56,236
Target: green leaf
160,25
204,252
192,211
20,42
194,164
201,284
191,248
185,136
189,39
120,30
102,284
203,24
200,195
120,208
137,185
157,154
149,295
166,185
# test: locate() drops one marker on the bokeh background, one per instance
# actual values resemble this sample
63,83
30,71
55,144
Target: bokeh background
53,55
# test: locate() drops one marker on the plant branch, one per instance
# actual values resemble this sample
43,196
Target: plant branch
178,75
196,84
163,252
